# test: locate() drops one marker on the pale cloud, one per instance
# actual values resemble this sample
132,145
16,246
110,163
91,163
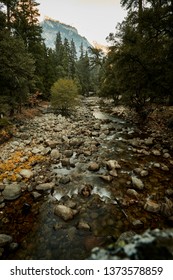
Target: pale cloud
94,19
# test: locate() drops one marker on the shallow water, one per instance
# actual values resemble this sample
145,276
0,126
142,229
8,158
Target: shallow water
108,211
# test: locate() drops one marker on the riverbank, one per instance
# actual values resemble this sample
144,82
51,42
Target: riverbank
71,184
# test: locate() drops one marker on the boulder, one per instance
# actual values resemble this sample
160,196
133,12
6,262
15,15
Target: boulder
137,183
64,212
132,193
45,186
11,192
55,154
26,173
112,164
93,166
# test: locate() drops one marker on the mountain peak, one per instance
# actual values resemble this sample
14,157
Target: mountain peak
52,27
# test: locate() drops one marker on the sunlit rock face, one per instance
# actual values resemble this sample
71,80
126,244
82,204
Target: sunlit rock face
50,29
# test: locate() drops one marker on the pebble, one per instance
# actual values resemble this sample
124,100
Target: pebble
137,183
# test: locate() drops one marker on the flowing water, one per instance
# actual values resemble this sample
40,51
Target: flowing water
108,211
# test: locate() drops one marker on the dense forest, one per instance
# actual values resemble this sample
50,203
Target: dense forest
28,67
136,71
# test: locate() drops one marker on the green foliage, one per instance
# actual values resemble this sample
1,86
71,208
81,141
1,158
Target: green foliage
64,96
139,64
16,71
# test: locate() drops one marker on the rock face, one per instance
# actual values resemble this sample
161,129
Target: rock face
11,192
151,245
50,29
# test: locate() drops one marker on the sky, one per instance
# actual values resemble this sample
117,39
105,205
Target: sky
94,19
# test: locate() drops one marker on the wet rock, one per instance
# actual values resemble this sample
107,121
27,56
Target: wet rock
169,192
113,173
11,192
68,153
5,239
166,208
133,193
65,162
55,154
51,143
65,179
106,178
156,152
137,183
46,151
151,245
137,224
157,165
149,141
64,212
152,206
112,164
45,186
26,173
83,225
164,167
166,155
36,195
93,166
36,151
144,173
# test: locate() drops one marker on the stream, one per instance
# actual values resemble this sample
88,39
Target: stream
111,205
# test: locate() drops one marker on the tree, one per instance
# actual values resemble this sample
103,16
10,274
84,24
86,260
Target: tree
83,73
64,96
16,72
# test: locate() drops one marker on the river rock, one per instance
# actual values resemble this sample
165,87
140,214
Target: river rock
144,173
137,224
137,183
132,192
64,212
166,155
156,152
83,225
93,166
11,192
45,186
149,141
5,239
152,206
113,173
112,164
55,154
106,178
26,173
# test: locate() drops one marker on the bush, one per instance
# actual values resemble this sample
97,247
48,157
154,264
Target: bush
64,96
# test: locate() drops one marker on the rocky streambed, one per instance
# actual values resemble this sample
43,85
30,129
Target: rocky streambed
68,185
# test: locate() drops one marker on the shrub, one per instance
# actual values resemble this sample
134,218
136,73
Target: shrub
64,96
